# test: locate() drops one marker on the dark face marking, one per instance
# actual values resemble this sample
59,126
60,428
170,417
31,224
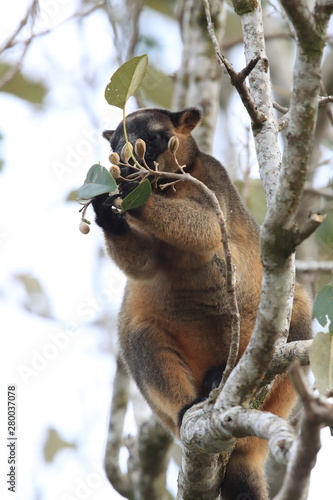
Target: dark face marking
153,126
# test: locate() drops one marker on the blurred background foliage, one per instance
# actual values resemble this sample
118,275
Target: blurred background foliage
58,56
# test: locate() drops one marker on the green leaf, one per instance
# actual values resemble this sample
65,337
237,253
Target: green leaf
164,7
138,197
98,181
23,87
323,306
126,81
321,361
158,87
55,443
72,195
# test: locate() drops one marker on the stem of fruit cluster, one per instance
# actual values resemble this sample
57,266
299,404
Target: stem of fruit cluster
84,208
127,142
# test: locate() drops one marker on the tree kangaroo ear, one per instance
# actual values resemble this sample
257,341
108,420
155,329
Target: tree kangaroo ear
185,121
108,134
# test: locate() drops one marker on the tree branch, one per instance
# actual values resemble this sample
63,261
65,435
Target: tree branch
318,412
278,242
154,446
200,475
325,100
236,79
284,120
302,20
309,227
326,192
198,79
10,42
265,137
305,266
219,432
284,355
121,482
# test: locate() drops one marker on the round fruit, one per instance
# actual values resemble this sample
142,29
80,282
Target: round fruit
84,227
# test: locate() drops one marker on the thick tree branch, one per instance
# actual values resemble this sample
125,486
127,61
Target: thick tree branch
265,137
200,475
302,20
278,240
219,432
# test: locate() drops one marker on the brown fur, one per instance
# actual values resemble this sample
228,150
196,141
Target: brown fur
174,324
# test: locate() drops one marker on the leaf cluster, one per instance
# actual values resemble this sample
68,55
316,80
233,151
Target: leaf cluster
124,83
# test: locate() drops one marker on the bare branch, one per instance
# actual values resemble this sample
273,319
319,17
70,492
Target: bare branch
227,45
237,79
308,228
16,67
121,482
325,7
10,42
219,432
285,354
137,7
280,108
154,446
325,100
302,20
318,412
314,266
277,235
200,475
325,192
284,120
198,80
265,137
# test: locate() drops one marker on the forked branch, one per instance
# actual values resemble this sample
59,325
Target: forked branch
236,79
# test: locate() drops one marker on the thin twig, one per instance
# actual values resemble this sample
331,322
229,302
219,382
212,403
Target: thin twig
236,79
10,42
304,266
325,100
15,68
309,227
280,108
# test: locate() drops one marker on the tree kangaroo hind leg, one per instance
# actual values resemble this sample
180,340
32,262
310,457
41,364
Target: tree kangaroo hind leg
162,375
